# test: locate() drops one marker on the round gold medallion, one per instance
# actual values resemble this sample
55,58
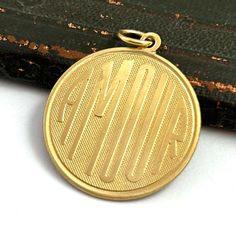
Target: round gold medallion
121,123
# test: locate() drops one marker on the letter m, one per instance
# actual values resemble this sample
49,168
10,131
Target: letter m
110,85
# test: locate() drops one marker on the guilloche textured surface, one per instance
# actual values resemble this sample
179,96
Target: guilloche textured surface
122,121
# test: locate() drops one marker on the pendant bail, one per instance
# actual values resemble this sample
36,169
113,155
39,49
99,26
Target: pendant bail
148,41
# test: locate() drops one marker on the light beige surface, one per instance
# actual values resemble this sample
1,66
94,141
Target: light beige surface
35,199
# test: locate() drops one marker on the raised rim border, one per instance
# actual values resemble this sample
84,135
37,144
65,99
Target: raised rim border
130,194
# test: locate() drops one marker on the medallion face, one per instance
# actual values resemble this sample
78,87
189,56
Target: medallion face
121,123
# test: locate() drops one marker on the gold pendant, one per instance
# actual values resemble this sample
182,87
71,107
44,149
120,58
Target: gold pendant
123,122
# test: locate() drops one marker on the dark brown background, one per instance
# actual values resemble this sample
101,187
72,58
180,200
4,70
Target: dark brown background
40,39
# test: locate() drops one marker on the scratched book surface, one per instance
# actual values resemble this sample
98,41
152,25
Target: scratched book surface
40,39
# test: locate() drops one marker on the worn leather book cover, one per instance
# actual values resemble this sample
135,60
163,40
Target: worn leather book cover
40,39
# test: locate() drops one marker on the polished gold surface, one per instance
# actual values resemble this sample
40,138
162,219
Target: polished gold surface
121,123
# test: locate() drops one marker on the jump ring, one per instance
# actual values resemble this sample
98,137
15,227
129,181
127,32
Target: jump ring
154,38
123,35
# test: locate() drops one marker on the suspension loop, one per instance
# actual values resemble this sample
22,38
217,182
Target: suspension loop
147,41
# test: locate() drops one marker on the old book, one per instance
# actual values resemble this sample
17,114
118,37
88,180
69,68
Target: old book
40,39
